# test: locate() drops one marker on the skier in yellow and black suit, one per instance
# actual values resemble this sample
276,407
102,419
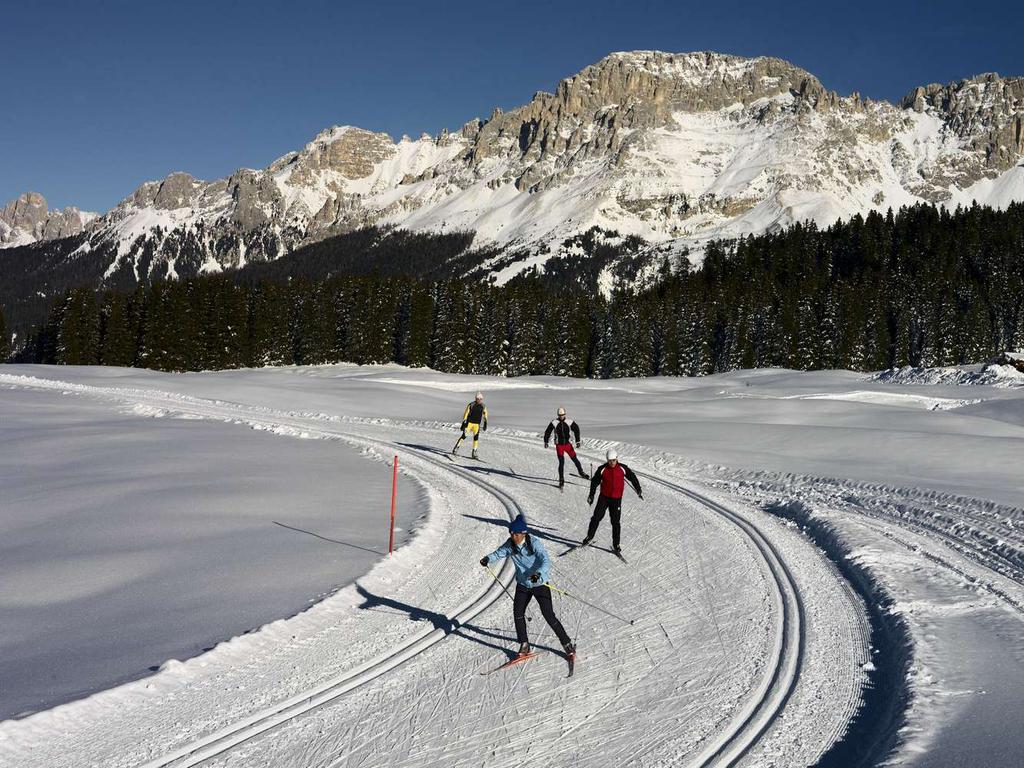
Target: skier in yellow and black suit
473,419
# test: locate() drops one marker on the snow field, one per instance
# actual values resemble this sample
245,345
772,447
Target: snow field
947,563
683,650
127,725
125,542
926,498
666,675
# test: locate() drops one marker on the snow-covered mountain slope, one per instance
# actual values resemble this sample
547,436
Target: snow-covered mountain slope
673,148
29,219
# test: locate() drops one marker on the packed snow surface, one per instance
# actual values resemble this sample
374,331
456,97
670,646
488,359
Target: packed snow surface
126,542
747,643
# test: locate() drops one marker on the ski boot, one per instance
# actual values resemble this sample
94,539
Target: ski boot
570,656
524,649
474,456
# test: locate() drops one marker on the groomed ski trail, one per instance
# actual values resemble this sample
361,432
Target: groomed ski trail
751,690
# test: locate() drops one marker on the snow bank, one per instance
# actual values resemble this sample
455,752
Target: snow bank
991,375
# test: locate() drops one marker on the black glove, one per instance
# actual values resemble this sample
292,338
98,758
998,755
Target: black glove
534,578
485,426
577,443
484,562
464,424
545,446
590,499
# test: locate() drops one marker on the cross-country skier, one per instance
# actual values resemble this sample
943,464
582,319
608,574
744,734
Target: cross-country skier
473,418
612,477
532,565
561,428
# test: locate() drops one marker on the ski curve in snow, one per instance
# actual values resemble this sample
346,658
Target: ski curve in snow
767,707
210,746
762,707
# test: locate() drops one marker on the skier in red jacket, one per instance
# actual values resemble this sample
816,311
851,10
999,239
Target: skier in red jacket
611,477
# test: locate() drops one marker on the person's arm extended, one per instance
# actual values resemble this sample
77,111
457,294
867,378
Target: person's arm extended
499,554
595,481
576,431
485,418
633,480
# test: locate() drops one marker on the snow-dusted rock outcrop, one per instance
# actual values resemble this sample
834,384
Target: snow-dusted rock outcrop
29,219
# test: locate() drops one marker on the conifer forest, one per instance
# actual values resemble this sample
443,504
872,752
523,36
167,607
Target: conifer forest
920,287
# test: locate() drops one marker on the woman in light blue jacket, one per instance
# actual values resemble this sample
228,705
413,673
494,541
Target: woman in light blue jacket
532,565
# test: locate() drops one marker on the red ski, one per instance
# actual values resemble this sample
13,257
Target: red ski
519,659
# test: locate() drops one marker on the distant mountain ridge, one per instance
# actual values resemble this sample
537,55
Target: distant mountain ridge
28,219
673,149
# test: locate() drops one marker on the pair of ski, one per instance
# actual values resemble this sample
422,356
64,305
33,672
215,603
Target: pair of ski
451,457
524,657
574,547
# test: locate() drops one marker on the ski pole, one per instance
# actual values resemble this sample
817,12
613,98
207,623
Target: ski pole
503,588
580,599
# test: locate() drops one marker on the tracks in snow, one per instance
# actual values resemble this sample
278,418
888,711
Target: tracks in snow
769,700
749,723
211,745
260,722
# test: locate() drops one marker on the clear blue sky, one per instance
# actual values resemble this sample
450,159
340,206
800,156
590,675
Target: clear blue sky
100,96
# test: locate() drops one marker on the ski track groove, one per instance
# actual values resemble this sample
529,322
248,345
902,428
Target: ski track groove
793,626
786,666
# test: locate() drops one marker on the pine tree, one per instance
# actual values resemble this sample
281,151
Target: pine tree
5,339
78,335
119,330
524,332
451,348
270,325
416,344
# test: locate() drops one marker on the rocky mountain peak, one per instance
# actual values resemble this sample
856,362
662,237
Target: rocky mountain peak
594,111
985,112
692,82
672,149
28,218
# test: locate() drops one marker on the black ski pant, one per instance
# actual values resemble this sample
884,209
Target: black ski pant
543,595
561,464
614,508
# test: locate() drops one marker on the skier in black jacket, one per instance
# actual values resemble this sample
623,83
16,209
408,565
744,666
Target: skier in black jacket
561,428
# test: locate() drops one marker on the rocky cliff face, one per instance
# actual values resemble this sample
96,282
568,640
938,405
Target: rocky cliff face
675,149
29,219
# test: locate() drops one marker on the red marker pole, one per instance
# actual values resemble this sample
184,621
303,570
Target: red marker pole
394,496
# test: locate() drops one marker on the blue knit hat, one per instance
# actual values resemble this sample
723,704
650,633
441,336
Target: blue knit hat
518,525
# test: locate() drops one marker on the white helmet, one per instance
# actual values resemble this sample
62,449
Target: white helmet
561,411
612,455
479,395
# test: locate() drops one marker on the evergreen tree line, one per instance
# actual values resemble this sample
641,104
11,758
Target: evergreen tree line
5,339
921,287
